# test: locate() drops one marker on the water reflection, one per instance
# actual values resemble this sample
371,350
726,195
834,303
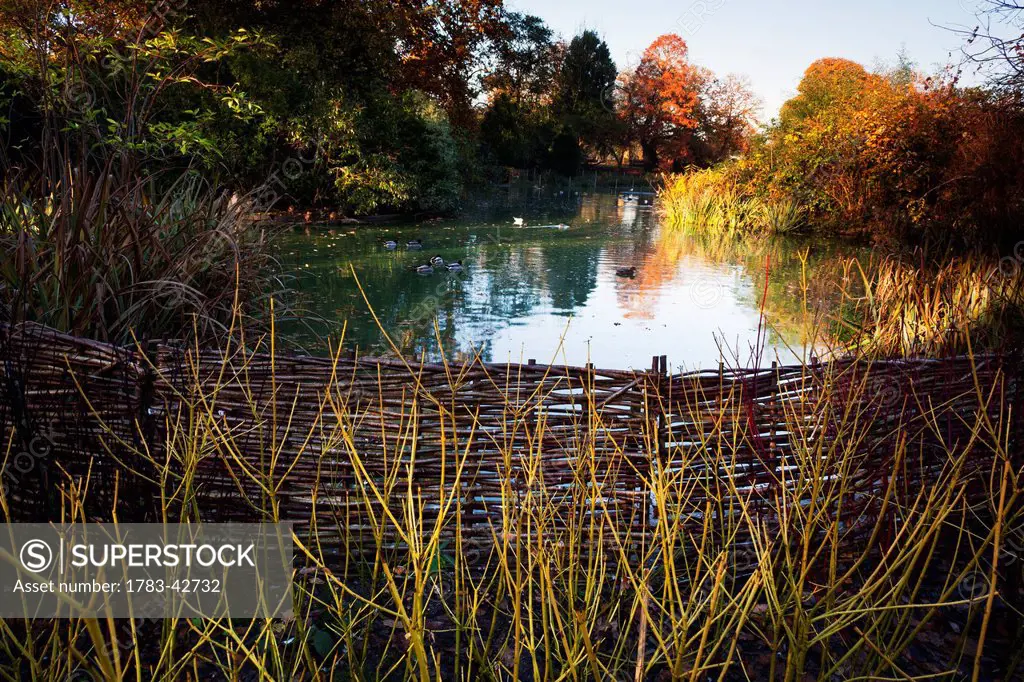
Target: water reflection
553,294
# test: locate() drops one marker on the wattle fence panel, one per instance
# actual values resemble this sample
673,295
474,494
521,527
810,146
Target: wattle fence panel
308,437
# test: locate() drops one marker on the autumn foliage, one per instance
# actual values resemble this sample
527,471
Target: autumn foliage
893,153
660,99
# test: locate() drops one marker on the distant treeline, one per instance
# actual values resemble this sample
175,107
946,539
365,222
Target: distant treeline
358,106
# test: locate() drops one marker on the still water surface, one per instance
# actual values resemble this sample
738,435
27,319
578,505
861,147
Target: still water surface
550,290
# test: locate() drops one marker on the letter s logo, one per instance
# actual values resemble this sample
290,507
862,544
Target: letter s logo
36,556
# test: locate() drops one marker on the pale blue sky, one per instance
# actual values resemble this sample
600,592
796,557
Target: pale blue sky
770,42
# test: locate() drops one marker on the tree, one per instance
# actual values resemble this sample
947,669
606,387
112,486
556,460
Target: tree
587,74
441,46
109,81
505,133
525,61
364,46
660,100
997,42
349,80
895,153
548,100
60,23
828,85
582,88
727,115
566,155
420,172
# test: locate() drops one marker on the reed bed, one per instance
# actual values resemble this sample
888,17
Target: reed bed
901,304
711,201
898,308
531,522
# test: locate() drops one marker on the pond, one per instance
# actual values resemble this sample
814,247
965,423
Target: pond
550,289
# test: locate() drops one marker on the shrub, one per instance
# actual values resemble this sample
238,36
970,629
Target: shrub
398,154
894,155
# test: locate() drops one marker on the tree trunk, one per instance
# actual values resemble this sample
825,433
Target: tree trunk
650,151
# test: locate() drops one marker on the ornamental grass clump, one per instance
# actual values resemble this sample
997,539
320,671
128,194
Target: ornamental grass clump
712,201
103,255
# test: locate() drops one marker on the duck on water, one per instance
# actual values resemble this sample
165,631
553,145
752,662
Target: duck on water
428,268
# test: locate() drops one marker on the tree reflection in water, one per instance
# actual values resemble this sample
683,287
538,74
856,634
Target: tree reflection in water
523,288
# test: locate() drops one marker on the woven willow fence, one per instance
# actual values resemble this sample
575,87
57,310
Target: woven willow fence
284,429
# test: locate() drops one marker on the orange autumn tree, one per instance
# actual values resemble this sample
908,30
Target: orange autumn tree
892,153
659,102
440,43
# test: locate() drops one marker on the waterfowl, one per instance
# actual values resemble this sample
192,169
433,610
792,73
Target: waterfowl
437,261
626,272
391,245
414,244
455,267
424,270
518,222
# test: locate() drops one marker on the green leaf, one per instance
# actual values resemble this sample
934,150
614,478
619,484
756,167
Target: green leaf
322,641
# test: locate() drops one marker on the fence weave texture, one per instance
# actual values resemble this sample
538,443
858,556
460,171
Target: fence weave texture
285,428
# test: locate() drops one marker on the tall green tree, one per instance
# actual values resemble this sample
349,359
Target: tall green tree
371,90
506,132
517,128
586,76
583,90
525,60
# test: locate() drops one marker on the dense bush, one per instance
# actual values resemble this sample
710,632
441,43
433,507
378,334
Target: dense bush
512,135
399,154
240,94
893,154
